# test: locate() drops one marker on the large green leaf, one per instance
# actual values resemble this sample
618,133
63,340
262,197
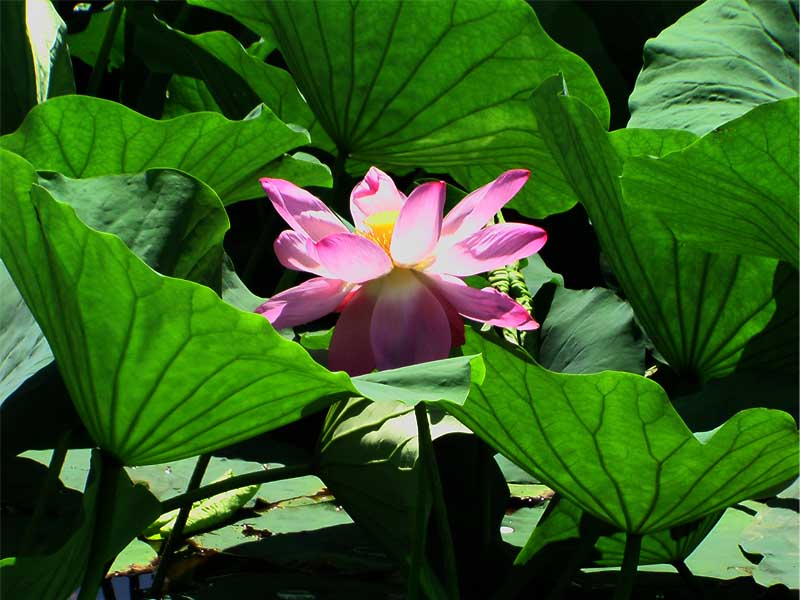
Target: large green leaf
172,221
85,137
158,368
612,443
106,527
439,85
34,59
707,314
733,191
716,63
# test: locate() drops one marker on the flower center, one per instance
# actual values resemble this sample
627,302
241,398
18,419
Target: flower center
381,227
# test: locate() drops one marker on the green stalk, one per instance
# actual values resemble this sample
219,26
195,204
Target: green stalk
53,472
101,63
428,459
106,497
689,578
576,561
630,560
234,483
420,535
176,534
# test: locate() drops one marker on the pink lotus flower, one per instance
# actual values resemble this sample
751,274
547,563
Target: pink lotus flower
396,279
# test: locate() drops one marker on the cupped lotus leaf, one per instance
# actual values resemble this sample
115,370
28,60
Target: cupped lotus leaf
612,443
438,85
169,219
145,356
707,314
733,191
717,62
79,137
172,221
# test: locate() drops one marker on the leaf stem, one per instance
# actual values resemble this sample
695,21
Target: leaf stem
175,536
630,560
576,560
420,535
233,483
100,64
428,459
53,472
104,508
687,575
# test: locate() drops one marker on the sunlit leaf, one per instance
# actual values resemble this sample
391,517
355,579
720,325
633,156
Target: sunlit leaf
85,137
437,85
612,443
707,314
733,191
34,59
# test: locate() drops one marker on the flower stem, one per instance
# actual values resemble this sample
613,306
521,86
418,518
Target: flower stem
234,483
100,64
630,560
428,460
180,522
420,536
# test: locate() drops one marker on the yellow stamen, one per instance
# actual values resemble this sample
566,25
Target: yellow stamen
381,228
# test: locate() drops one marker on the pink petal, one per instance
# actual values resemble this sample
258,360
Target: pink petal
303,212
296,251
416,231
408,325
487,305
490,248
353,258
375,193
351,347
475,210
453,317
306,302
